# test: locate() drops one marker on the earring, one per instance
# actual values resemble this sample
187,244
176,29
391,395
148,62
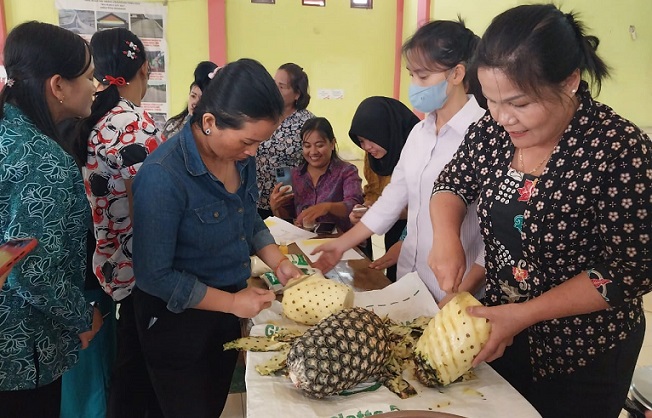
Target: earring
573,91
61,100
207,131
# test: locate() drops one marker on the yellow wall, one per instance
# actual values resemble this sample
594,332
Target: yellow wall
629,91
353,49
187,35
338,47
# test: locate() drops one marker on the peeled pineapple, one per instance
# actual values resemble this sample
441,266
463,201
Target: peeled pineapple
450,342
343,350
314,298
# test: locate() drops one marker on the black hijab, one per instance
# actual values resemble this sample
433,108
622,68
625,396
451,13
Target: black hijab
386,122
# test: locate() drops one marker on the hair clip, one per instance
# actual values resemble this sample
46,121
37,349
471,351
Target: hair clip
132,46
10,82
212,74
131,53
118,81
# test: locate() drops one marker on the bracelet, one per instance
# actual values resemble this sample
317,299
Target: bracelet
279,264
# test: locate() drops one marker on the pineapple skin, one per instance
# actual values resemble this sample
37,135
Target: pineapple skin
341,351
450,342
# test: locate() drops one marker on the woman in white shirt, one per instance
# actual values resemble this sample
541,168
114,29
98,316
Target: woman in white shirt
437,57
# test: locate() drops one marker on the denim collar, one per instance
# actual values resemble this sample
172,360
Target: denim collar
191,157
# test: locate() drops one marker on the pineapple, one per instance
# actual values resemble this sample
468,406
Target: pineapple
341,351
450,342
314,298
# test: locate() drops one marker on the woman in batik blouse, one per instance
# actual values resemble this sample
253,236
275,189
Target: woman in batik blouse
284,147
44,318
562,185
324,188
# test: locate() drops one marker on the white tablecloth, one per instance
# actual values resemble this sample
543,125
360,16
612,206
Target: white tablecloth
487,396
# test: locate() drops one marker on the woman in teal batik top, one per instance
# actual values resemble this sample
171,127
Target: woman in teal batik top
44,318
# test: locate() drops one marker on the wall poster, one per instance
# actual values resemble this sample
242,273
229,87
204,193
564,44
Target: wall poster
147,20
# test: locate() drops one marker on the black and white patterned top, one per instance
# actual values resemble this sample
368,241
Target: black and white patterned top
590,209
283,149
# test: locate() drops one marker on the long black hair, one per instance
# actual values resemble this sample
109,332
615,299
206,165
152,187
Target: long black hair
241,91
34,52
538,46
202,74
443,44
118,54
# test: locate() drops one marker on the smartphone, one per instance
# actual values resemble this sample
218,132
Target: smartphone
325,228
360,209
13,251
284,176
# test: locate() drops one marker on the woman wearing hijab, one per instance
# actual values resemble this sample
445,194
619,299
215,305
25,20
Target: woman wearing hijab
380,127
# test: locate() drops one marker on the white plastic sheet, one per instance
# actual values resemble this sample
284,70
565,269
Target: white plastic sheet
487,396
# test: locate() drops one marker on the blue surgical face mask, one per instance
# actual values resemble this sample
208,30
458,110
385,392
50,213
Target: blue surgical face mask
428,99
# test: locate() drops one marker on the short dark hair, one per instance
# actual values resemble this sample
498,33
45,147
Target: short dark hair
241,91
299,84
117,53
323,127
34,52
537,46
443,44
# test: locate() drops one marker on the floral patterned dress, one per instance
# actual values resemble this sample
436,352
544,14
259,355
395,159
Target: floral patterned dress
588,211
283,149
42,305
513,194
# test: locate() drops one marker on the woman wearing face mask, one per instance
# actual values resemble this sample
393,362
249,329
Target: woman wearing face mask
437,57
204,73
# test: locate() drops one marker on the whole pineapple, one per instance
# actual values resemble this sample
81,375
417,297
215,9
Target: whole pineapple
341,351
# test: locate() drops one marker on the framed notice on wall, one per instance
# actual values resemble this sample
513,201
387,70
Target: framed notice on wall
147,20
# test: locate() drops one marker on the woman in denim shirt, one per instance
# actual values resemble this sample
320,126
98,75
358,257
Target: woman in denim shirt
195,226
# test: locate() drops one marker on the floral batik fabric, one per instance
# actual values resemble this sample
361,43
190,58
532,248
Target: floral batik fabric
42,306
283,149
588,212
117,147
514,191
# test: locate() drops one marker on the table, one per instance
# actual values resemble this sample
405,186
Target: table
363,278
487,396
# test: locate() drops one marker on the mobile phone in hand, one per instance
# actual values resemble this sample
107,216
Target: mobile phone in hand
284,176
13,251
360,209
325,228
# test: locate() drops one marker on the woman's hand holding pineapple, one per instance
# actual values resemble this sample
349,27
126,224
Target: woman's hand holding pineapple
506,321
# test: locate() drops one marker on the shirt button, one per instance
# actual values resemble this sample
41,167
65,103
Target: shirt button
216,214
240,210
242,238
245,265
